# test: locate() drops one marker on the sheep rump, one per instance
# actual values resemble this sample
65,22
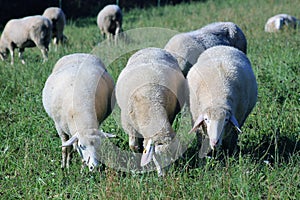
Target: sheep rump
109,21
58,19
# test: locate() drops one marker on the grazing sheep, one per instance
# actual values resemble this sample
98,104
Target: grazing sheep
25,32
278,22
187,47
58,19
109,21
150,92
77,96
223,91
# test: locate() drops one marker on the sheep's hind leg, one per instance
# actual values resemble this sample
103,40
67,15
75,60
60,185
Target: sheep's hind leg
21,51
45,54
11,51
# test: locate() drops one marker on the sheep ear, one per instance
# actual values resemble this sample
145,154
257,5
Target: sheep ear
197,123
235,123
71,141
148,153
108,135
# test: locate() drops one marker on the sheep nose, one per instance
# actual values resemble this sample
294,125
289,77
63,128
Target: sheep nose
91,168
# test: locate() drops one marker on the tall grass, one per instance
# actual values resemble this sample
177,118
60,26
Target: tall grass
266,168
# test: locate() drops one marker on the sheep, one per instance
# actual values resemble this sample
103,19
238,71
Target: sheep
187,47
77,96
109,21
222,93
58,19
25,32
278,22
150,92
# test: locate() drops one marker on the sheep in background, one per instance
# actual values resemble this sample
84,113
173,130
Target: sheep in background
58,19
77,96
278,22
109,21
25,32
187,47
223,91
150,92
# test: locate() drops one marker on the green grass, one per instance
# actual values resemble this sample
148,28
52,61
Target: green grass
30,150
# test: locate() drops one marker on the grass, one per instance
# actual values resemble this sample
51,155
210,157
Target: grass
266,168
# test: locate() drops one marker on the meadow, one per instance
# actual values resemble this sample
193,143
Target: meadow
267,166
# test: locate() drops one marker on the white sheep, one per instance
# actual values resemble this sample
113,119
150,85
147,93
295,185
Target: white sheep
109,21
25,32
223,91
58,19
278,22
150,92
187,47
77,96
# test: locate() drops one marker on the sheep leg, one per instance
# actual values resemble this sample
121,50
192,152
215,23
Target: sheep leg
160,170
44,51
66,151
55,43
21,51
11,51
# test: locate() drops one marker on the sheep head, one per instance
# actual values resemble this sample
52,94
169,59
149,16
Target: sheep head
3,53
162,153
88,145
214,122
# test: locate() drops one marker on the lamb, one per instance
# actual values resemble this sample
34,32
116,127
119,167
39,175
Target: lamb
109,21
223,91
150,92
187,47
77,96
25,32
278,22
58,19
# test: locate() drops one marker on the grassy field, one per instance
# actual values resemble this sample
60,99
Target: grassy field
266,168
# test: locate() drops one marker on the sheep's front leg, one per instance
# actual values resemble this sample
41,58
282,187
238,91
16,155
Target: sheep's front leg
136,143
135,139
160,170
66,151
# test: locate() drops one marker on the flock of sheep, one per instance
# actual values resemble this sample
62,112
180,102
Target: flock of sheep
206,69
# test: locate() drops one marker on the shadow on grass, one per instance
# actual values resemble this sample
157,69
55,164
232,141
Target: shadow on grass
271,151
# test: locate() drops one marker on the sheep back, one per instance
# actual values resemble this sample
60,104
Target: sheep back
151,78
223,76
187,47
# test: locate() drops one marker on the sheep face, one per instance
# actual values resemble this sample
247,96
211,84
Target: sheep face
88,146
214,122
161,153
